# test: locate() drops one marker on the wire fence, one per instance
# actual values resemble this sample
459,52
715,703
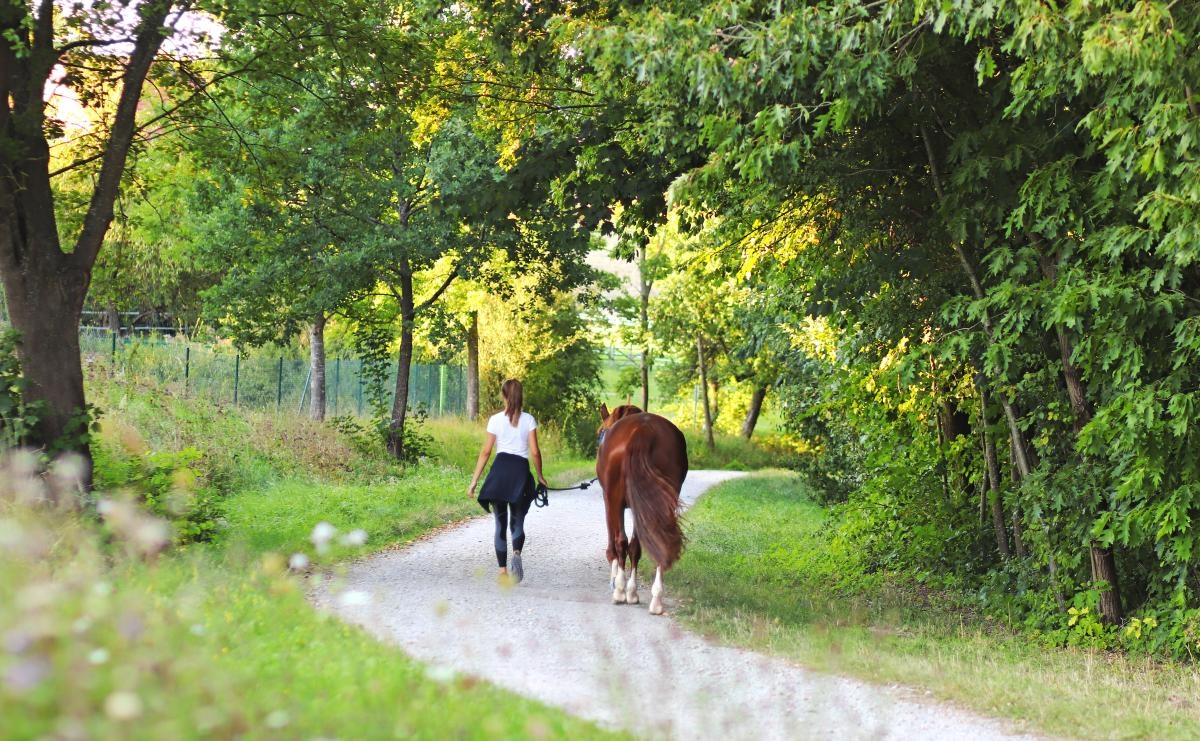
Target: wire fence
262,381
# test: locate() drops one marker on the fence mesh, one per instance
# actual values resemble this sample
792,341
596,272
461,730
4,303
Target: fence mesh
260,381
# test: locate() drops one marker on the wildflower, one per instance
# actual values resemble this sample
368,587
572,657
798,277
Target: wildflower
322,534
122,705
26,674
298,562
441,674
355,538
354,598
278,719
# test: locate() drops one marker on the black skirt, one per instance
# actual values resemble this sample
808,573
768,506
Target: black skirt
509,481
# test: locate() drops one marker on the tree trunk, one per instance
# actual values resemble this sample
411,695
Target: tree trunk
46,286
112,318
708,415
756,402
993,473
644,286
316,354
45,309
645,374
1103,561
1015,476
395,436
473,367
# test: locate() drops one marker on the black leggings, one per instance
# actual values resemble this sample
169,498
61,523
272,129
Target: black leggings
500,510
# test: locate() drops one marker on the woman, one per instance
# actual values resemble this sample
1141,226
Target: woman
508,488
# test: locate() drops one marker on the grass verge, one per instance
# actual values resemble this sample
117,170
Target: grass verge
107,637
759,573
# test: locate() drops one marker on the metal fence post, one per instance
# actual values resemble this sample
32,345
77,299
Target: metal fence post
187,366
442,390
337,383
279,385
114,348
237,369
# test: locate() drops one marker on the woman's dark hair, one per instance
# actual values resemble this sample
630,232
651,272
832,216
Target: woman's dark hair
514,399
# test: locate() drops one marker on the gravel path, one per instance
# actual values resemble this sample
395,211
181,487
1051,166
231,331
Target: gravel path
568,646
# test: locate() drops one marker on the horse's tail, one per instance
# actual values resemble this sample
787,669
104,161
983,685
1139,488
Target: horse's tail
654,499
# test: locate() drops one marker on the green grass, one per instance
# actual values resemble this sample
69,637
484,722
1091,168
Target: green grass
731,452
217,640
214,644
759,573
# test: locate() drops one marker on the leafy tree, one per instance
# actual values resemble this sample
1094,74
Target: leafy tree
45,280
988,189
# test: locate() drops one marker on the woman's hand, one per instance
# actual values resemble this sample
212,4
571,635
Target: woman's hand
542,481
471,491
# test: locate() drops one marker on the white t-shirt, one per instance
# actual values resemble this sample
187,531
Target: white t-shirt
511,439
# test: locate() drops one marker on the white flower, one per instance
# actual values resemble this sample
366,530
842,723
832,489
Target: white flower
322,534
355,538
298,562
123,706
354,598
278,719
98,656
441,674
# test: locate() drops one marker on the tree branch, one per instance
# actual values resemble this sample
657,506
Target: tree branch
441,289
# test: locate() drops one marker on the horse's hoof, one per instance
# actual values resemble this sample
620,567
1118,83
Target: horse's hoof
632,598
656,608
618,598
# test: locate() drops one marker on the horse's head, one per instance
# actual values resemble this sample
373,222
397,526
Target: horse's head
609,418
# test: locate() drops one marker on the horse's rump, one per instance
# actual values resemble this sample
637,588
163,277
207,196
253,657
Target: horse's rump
655,465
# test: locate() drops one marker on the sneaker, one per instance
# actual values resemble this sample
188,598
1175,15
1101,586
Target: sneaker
518,572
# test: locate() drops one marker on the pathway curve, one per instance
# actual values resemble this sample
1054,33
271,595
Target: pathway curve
569,646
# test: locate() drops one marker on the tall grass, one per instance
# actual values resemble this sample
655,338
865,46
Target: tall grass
760,572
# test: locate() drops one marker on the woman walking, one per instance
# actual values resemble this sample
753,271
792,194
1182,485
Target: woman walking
509,489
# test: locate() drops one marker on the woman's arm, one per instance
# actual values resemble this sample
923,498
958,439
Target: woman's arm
535,455
484,453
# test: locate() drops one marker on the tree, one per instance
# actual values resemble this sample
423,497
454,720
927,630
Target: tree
988,187
46,282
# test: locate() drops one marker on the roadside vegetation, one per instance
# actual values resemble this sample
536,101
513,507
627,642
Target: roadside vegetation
770,569
184,615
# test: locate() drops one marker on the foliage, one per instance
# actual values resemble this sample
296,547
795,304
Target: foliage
16,417
543,341
166,484
972,202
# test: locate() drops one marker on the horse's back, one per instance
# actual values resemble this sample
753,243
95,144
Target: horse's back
658,435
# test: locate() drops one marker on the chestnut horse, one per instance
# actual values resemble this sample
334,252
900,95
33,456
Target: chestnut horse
641,463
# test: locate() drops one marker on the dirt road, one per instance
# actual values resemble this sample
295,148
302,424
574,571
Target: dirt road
567,645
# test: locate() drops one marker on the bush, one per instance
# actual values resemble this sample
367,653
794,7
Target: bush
167,484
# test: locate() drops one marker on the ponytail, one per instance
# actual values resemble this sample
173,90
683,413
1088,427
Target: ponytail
514,399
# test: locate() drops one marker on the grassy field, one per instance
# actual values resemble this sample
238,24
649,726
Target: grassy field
759,573
107,638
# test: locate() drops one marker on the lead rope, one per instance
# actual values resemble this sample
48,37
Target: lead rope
541,497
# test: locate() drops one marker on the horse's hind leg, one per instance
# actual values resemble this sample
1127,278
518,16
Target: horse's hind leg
618,545
635,555
656,592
